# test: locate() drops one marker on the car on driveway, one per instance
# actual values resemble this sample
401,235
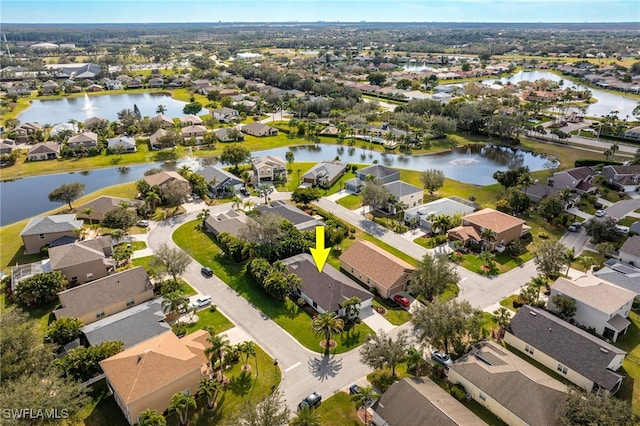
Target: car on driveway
574,227
600,213
143,223
441,358
206,271
401,300
312,401
201,301
244,191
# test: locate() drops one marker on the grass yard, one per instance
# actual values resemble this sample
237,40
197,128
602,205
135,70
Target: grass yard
395,314
135,245
508,302
338,410
597,257
503,262
630,342
351,201
103,409
288,315
627,221
207,318
142,261
294,173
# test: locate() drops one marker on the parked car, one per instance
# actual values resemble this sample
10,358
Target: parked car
401,300
143,223
244,191
574,227
441,358
311,401
195,196
206,271
357,390
202,301
600,213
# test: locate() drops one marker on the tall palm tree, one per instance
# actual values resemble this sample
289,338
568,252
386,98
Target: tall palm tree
306,417
364,399
152,199
204,214
236,202
87,212
327,324
248,205
502,316
161,109
184,170
525,180
151,418
247,349
172,302
180,403
264,190
440,223
211,389
569,258
219,344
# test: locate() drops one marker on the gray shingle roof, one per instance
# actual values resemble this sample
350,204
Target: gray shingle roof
631,246
301,220
221,176
326,169
567,344
399,188
377,170
51,224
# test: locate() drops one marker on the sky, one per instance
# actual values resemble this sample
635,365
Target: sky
124,11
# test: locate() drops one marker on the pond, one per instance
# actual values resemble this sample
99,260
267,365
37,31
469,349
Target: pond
53,111
27,197
607,101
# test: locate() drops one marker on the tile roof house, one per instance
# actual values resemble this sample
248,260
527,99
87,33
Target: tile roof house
425,213
232,222
154,139
301,220
599,305
107,296
99,206
226,134
579,179
165,122
403,192
428,403
376,268
498,380
44,151
43,230
268,169
146,375
7,146
50,87
630,251
580,357
195,131
83,261
226,115
163,179
131,326
325,173
218,179
259,130
325,291
122,144
624,178
84,139
505,228
382,175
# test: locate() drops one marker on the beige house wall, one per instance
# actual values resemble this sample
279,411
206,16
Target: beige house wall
114,308
382,290
413,199
95,267
33,243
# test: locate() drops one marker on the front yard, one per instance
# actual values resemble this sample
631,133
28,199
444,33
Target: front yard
630,342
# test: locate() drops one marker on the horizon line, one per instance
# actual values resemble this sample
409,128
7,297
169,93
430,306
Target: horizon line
325,22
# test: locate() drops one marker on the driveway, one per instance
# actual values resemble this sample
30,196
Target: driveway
623,208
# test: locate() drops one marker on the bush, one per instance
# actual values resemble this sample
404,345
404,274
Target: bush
543,236
179,329
63,330
382,379
517,303
590,162
458,392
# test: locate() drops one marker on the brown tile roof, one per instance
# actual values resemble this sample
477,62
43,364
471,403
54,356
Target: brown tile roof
465,232
74,254
44,148
103,204
163,177
94,295
378,264
144,368
493,219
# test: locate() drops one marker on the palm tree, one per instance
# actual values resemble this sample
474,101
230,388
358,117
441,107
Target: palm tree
204,214
248,204
80,233
488,235
364,399
184,170
502,316
151,418
180,403
415,361
219,344
569,258
87,212
586,262
290,158
264,190
440,223
327,324
525,180
161,109
237,202
152,199
247,348
306,417
174,301
211,389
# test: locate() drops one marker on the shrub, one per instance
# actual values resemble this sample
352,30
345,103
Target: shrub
63,330
382,379
458,392
517,303
179,329
543,235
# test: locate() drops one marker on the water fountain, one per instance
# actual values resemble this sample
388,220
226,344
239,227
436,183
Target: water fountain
88,105
466,161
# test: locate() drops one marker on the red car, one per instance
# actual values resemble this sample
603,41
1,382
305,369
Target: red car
401,300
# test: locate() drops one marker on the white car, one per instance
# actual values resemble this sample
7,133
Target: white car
201,301
600,213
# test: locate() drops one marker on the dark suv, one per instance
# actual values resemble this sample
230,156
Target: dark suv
312,401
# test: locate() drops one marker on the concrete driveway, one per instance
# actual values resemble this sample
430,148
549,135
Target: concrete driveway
623,208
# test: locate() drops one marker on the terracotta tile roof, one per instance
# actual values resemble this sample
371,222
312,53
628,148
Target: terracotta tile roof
465,232
378,264
144,368
163,177
493,219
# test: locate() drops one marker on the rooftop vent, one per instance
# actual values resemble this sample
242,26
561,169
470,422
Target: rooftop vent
549,329
533,313
604,351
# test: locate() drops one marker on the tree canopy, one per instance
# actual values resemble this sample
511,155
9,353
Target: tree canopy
171,260
67,192
432,276
383,351
432,179
235,154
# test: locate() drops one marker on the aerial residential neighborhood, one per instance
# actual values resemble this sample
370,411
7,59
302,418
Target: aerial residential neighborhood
324,223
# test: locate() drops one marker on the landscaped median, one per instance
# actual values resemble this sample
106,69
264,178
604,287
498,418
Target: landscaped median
292,318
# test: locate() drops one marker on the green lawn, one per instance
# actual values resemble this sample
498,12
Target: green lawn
627,221
103,410
503,262
597,257
338,410
508,302
135,245
351,201
206,318
288,315
395,314
630,342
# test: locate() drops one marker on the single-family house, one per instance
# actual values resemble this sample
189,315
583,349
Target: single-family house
630,251
328,290
268,169
50,87
301,220
190,120
245,104
620,274
232,222
623,178
259,130
601,306
131,326
7,146
43,230
147,375
228,134
83,261
498,379
44,151
635,228
94,88
99,206
155,83
489,227
155,139
424,214
122,144
28,128
134,83
403,192
325,173
580,357
219,180
163,179
101,298
196,131
94,121
113,84
427,402
633,133
226,115
376,268
381,174
165,122
579,179
85,139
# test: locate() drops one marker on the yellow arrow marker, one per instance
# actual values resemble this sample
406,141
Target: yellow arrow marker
320,254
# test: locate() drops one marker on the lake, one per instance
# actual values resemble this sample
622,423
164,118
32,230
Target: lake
27,197
53,111
607,102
